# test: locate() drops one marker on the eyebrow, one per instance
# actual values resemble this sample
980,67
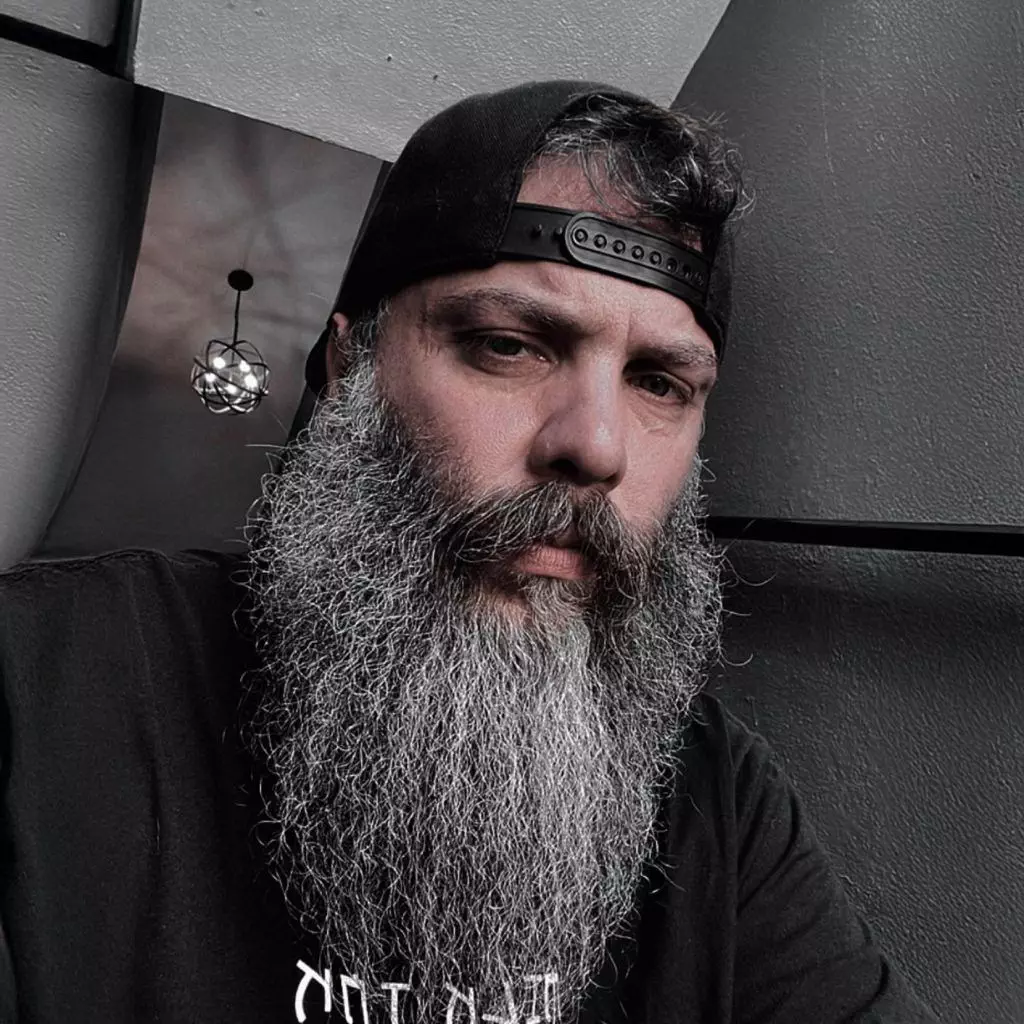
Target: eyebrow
464,309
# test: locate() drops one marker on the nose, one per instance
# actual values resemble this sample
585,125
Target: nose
582,440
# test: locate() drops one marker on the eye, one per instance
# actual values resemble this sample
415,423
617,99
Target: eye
497,348
499,345
661,386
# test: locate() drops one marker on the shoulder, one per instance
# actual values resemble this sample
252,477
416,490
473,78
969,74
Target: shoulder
718,742
728,785
53,574
731,777
69,616
43,590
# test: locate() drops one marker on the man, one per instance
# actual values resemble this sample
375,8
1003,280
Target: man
469,774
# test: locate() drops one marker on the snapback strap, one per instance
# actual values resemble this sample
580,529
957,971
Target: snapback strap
588,240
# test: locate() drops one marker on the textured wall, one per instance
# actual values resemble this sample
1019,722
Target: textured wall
365,74
65,135
875,372
92,20
892,684
876,368
226,192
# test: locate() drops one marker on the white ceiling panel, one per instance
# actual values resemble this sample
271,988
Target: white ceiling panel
365,73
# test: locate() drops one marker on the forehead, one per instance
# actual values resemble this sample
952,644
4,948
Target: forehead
560,181
592,300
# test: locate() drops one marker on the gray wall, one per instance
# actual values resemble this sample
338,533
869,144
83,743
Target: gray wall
875,372
876,369
73,165
892,686
94,21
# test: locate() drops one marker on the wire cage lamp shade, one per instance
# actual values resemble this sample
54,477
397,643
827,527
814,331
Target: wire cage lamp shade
231,376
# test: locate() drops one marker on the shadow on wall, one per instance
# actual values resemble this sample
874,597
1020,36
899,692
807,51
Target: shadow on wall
161,471
890,685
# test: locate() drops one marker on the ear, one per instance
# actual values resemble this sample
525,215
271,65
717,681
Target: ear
338,354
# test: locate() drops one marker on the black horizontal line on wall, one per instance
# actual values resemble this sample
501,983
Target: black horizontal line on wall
81,51
940,538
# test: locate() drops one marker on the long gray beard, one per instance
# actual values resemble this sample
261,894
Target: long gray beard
460,795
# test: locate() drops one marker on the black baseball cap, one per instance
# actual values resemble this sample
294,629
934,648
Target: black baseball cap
449,204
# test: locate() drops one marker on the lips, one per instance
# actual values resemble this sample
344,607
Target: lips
557,560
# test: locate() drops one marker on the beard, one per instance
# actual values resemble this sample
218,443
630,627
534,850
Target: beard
466,763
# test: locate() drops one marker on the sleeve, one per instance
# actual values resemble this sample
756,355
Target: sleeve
8,994
803,953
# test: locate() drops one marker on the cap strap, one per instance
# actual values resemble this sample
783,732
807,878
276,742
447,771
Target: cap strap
587,240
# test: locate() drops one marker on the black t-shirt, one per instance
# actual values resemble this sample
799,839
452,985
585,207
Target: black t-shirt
131,888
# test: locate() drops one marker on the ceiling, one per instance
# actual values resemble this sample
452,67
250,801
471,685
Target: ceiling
365,73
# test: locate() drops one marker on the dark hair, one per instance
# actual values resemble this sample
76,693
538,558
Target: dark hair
666,163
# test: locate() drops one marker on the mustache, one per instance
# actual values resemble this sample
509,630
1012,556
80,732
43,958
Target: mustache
501,526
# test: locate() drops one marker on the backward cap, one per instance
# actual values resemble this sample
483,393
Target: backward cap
447,199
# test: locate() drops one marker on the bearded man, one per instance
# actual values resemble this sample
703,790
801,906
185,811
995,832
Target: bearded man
469,774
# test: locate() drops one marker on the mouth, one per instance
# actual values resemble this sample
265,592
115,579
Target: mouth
560,558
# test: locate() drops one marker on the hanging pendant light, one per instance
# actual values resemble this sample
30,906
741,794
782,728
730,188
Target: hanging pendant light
232,377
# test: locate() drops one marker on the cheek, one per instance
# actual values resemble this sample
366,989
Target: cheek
486,444
486,434
657,472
